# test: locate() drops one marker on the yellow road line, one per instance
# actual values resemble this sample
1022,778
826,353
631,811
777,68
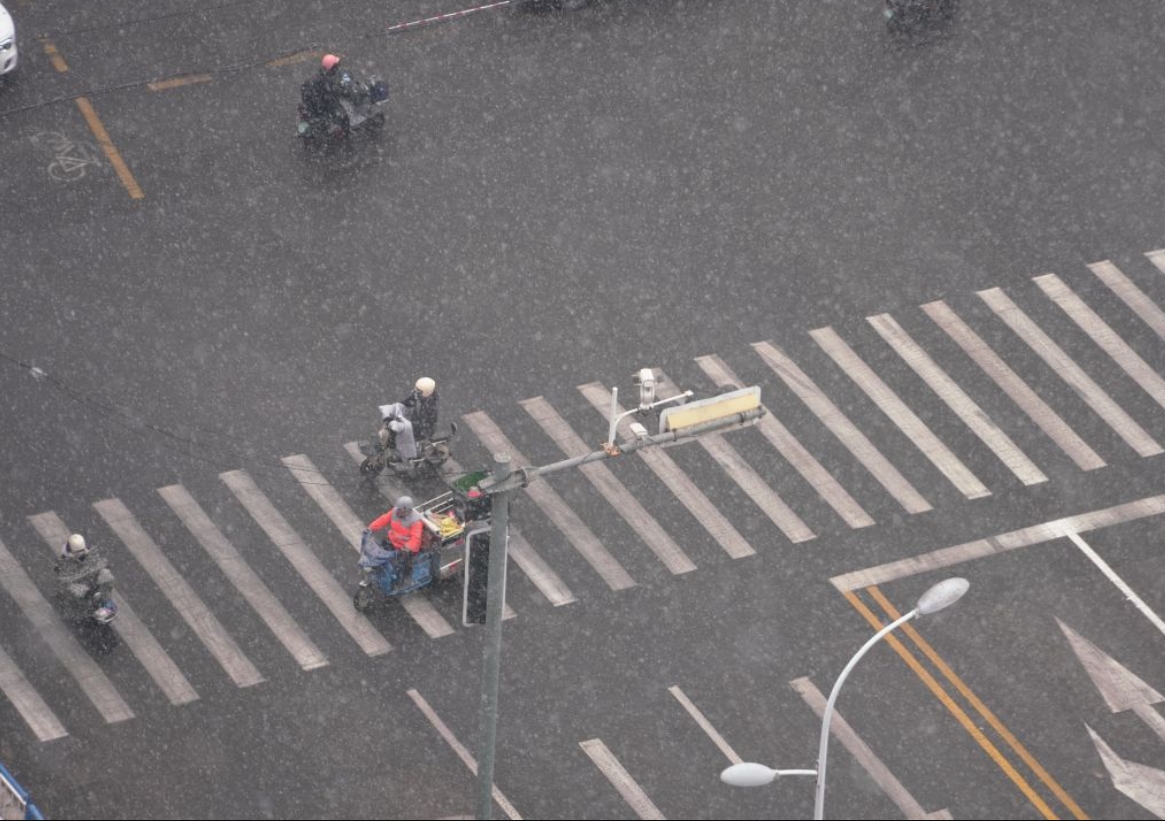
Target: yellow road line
111,152
982,708
955,710
292,59
55,56
181,80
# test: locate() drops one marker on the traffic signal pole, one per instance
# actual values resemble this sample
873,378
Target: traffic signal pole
500,487
491,654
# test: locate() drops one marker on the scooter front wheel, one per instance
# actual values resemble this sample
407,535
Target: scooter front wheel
371,466
362,600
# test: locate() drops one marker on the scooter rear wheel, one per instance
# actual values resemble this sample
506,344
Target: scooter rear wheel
371,466
362,600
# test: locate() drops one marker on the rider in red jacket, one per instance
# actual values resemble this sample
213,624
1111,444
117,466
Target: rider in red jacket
405,527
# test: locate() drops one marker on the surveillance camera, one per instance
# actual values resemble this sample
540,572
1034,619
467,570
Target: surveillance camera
646,380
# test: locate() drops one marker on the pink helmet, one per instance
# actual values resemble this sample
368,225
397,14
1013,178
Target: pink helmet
329,62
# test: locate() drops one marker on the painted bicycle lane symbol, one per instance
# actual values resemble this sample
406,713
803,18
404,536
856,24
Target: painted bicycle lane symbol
71,160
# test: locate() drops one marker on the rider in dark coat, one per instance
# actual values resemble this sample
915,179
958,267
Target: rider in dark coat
321,94
423,407
82,572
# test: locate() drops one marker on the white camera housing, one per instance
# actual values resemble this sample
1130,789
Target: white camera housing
646,380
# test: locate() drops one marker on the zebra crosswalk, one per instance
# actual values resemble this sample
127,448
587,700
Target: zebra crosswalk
962,414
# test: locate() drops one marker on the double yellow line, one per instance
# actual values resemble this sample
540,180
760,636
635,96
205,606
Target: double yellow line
941,692
98,129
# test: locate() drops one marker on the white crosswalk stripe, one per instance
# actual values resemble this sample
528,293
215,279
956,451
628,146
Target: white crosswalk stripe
741,472
1131,295
537,570
1054,356
620,779
128,625
310,569
419,608
551,504
793,451
32,708
190,607
900,414
1029,402
1158,259
966,408
91,679
840,425
1104,336
591,537
619,497
245,580
672,475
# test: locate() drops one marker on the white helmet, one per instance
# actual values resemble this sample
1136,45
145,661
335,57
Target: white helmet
426,386
76,545
404,503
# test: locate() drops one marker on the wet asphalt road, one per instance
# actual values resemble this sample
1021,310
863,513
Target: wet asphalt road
561,199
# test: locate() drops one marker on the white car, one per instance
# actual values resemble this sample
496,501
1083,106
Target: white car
7,42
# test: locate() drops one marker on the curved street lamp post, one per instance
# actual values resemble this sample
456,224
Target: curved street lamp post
751,774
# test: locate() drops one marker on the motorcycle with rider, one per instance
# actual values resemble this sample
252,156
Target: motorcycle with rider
406,442
414,546
84,583
335,104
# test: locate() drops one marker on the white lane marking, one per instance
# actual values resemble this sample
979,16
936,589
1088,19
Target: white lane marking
705,725
1158,259
460,750
684,489
181,595
32,708
793,451
741,472
1131,295
839,424
349,524
246,581
1028,401
980,548
129,626
565,519
1120,688
966,408
1104,336
620,779
537,570
316,485
1055,358
1111,575
310,568
1145,785
91,679
878,771
643,523
900,414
